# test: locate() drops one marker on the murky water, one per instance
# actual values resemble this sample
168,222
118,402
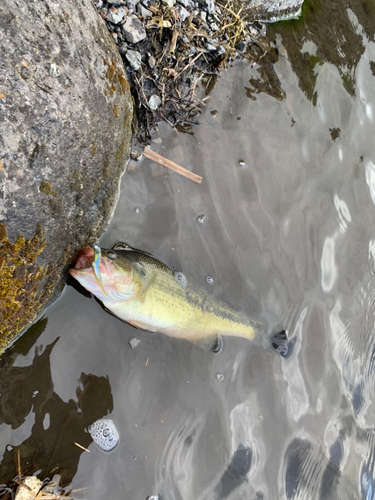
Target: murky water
288,237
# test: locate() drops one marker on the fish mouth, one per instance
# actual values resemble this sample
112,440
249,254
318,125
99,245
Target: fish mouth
84,259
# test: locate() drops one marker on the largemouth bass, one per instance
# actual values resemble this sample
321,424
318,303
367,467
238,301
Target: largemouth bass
146,293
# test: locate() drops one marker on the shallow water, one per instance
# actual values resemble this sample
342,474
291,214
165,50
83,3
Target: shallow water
289,238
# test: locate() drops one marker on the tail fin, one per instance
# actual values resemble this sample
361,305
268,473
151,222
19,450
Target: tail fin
279,342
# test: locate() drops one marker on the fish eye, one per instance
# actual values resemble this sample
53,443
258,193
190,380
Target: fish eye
111,255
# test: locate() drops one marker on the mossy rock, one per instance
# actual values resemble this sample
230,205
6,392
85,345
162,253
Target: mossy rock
65,131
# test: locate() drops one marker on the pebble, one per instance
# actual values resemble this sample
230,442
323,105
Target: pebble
134,58
209,5
133,30
168,3
203,15
184,3
143,12
201,218
183,14
104,433
116,2
133,342
210,47
116,15
214,27
151,61
154,102
220,50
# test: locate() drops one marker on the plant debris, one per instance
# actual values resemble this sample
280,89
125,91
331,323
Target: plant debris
167,46
32,488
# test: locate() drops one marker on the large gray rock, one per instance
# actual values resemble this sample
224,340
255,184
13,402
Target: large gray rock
272,10
65,125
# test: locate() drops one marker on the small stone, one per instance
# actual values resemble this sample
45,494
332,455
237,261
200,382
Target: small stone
220,50
209,5
184,3
143,12
116,14
183,14
203,16
201,218
133,342
151,61
168,3
133,30
240,46
210,47
135,59
154,102
131,4
116,2
114,36
214,27
122,48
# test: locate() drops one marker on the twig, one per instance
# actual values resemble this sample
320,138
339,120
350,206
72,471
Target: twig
170,164
82,447
189,64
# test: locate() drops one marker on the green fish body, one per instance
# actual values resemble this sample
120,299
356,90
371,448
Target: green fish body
146,293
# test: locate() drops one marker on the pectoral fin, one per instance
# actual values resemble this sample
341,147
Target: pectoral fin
211,342
147,282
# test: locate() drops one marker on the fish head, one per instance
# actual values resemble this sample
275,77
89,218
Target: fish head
109,277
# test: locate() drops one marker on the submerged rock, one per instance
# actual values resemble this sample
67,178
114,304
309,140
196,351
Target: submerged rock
65,131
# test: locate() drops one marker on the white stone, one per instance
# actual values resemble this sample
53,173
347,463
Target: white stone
133,30
116,14
134,59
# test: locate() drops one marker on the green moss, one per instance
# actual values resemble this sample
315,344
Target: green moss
21,294
115,111
46,188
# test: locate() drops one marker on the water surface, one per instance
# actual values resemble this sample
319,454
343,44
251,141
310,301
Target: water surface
287,238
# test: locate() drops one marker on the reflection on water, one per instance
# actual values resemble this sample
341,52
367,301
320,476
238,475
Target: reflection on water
283,222
54,426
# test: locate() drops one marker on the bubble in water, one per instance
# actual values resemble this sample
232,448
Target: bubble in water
9,447
209,279
104,433
241,163
180,278
201,218
220,376
136,210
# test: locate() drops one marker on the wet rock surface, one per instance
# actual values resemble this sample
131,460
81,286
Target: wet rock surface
66,111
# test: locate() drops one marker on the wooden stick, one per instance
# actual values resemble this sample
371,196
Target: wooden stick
170,164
